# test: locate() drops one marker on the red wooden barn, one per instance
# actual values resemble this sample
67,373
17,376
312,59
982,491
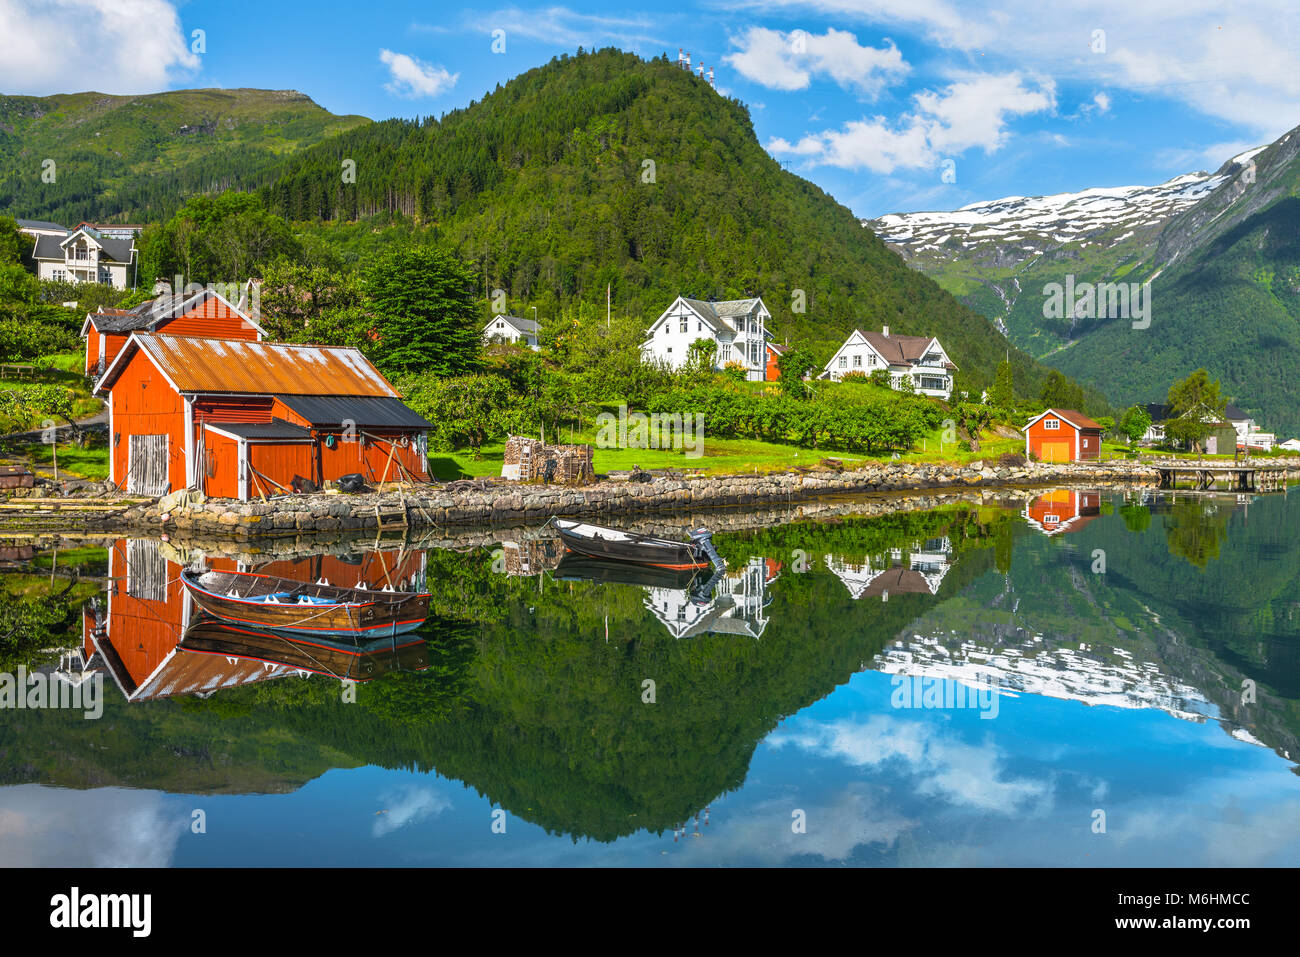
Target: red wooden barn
1063,435
240,419
203,313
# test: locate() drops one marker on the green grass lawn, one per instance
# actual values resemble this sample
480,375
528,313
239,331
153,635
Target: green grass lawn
721,456
74,461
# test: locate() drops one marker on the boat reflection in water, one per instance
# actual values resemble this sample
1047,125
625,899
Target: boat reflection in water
154,641
689,602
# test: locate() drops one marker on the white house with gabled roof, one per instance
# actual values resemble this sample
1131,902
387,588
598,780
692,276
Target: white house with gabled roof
84,255
738,327
522,332
919,358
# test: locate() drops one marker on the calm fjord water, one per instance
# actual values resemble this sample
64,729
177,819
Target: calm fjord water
1094,679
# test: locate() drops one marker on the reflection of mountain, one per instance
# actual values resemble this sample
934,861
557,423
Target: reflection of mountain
527,703
1198,595
922,574
1051,672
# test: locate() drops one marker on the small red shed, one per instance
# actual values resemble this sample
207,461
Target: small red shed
774,353
1063,435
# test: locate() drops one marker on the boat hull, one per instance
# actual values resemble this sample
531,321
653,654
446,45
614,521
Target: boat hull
341,612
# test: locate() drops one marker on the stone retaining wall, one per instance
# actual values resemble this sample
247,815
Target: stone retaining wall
525,504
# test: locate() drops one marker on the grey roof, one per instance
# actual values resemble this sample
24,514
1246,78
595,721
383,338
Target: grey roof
375,412
275,429
47,247
142,316
716,313
1234,414
526,326
39,224
115,250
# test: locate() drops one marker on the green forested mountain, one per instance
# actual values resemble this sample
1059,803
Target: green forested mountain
593,171
1220,251
135,158
606,169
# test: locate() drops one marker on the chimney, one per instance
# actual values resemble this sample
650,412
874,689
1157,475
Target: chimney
884,331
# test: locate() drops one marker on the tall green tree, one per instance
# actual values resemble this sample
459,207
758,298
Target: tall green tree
426,316
1196,405
1003,394
1134,423
793,365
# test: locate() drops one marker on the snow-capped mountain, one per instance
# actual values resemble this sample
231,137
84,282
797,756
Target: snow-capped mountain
1015,227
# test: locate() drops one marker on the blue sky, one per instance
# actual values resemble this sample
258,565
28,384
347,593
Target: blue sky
889,105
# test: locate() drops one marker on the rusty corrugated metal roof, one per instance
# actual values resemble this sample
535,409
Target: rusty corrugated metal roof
230,365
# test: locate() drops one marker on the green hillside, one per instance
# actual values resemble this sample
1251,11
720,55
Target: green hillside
134,158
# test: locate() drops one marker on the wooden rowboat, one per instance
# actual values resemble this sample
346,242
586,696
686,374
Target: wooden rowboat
597,541
318,608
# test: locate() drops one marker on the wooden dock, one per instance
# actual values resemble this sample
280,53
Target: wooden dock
1207,475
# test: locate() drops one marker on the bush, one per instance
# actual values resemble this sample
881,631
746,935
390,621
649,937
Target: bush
1011,460
854,376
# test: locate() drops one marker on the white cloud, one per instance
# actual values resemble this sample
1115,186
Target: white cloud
962,774
561,27
969,113
59,827
125,46
789,61
1102,101
413,79
1241,66
412,804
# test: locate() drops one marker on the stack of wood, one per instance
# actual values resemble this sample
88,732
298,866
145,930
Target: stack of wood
530,460
531,556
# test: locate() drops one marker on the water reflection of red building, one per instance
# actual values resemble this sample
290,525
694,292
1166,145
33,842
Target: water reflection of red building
135,632
1063,510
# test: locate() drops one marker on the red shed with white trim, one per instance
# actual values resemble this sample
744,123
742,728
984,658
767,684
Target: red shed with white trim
1063,435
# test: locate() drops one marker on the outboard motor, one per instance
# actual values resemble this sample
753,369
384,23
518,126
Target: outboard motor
702,539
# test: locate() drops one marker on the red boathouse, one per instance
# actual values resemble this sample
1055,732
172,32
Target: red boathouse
239,419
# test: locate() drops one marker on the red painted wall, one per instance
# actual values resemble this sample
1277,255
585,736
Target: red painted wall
221,480
211,320
369,456
145,404
279,462
1038,434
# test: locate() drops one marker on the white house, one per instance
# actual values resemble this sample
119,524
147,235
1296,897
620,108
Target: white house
737,327
512,329
919,358
83,255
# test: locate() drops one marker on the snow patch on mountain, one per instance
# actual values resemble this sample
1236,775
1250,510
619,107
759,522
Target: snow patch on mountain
1032,221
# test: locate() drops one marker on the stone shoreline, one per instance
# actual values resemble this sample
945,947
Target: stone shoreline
507,504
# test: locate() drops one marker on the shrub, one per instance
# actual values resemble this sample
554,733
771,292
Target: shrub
854,376
1011,460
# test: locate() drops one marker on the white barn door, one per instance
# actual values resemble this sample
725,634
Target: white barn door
146,468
